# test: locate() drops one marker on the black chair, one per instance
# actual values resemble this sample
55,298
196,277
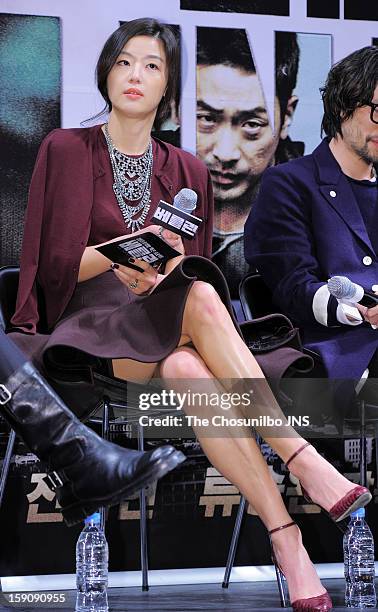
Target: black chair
108,400
255,297
256,300
104,393
259,306
8,294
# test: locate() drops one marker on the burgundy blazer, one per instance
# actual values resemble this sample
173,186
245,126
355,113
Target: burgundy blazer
58,217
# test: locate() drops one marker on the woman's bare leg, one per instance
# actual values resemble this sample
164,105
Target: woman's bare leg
134,371
239,459
207,323
138,371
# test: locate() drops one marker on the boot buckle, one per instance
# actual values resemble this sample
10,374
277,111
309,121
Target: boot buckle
55,480
5,395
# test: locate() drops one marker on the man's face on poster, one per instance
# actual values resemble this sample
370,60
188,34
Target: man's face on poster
234,137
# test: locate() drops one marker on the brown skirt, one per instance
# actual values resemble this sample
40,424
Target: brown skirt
104,319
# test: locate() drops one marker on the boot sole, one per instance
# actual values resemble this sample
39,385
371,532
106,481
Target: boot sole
77,512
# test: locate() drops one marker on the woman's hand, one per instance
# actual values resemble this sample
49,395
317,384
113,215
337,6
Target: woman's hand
138,282
174,240
94,263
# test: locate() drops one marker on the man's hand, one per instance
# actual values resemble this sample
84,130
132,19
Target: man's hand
369,314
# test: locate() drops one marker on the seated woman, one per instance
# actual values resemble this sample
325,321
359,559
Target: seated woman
95,184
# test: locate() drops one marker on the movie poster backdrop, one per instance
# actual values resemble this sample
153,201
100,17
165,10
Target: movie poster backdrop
235,63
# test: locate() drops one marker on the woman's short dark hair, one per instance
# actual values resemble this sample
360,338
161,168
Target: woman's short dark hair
350,84
117,41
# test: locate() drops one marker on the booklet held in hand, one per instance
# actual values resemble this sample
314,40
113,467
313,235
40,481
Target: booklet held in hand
147,246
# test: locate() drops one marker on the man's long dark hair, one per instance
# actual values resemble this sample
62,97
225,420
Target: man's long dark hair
350,84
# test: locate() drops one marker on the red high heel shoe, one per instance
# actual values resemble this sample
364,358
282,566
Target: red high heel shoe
357,497
319,603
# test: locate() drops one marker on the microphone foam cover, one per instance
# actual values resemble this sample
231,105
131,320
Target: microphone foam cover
185,199
341,287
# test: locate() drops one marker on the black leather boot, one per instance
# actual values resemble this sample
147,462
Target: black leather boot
86,471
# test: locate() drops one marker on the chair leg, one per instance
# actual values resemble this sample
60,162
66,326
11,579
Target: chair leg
376,454
105,436
105,419
363,466
143,523
234,543
6,464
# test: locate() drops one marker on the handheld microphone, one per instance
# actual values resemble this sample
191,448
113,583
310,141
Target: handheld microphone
178,217
344,289
185,200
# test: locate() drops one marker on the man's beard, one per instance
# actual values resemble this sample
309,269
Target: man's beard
364,154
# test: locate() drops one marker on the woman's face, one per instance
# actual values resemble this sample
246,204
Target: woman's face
138,80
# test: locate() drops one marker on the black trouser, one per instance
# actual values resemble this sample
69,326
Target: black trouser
11,358
373,366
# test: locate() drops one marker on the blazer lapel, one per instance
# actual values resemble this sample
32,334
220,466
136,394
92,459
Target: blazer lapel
337,191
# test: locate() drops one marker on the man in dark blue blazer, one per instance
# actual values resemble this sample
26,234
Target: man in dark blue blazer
317,216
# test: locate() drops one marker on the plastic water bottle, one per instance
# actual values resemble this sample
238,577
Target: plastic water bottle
92,567
346,539
359,563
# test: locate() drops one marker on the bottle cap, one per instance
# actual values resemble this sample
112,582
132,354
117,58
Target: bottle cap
93,518
360,513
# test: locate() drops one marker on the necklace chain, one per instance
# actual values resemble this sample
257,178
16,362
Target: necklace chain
132,182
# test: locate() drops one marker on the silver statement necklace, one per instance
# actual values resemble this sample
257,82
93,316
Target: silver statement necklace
132,182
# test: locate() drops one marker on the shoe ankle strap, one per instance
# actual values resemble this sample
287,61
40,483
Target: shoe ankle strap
300,449
282,527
